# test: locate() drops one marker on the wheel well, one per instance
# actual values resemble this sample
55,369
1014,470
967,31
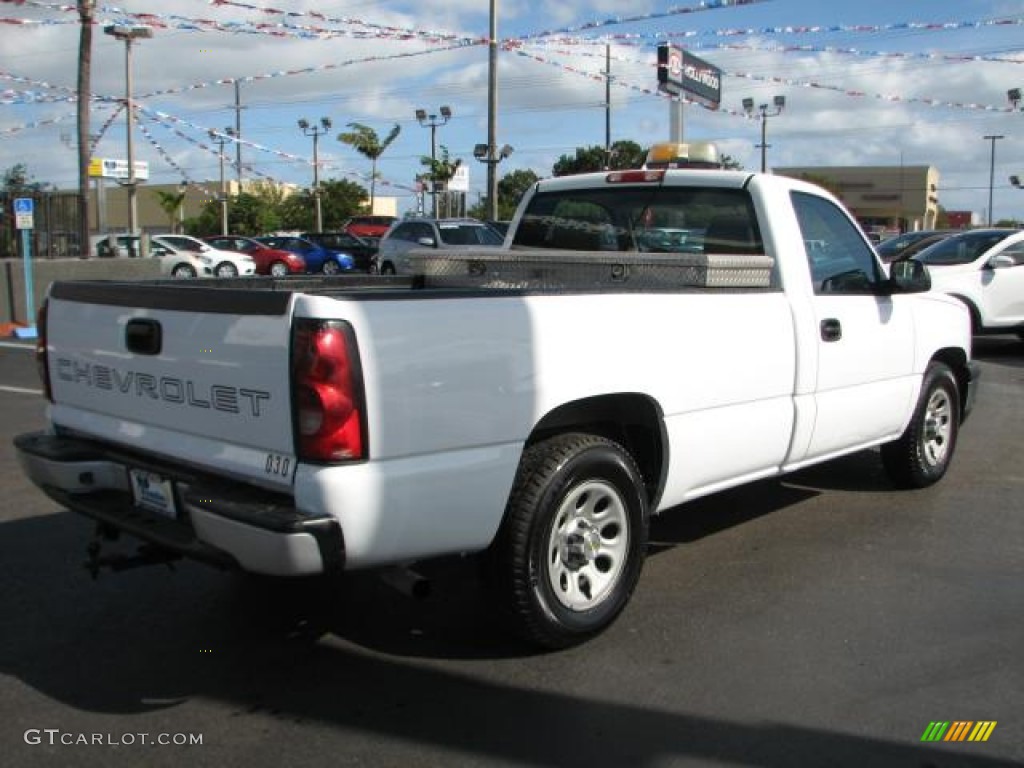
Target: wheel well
972,310
634,421
956,359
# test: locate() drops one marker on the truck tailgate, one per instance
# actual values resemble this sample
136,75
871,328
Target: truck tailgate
195,374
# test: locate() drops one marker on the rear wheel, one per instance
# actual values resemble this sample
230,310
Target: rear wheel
183,270
922,454
279,269
573,542
387,268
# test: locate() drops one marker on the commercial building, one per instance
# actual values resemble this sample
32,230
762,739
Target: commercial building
900,198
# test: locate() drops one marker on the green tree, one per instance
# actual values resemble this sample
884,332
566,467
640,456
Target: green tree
340,200
730,163
366,142
511,188
624,154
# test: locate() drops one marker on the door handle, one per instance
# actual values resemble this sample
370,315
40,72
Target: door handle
831,329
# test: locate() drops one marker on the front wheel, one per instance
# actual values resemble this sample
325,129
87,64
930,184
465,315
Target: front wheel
387,268
922,454
573,542
331,267
226,269
279,269
183,270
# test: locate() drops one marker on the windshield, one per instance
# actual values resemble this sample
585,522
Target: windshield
468,234
961,249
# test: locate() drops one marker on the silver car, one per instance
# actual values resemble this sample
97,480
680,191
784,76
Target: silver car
408,234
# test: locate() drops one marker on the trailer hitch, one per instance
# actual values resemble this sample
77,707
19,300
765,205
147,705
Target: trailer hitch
145,554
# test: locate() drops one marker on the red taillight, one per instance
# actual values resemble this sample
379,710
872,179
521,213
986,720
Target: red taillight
42,363
327,390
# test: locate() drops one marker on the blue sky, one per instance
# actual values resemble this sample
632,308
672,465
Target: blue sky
863,84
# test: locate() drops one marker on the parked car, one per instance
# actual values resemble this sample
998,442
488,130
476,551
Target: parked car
905,245
179,263
224,263
362,251
408,234
317,258
984,268
124,246
369,226
269,261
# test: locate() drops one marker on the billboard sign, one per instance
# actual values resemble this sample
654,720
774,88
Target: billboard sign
680,71
105,168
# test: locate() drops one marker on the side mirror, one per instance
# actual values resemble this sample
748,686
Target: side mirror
1001,261
909,276
427,241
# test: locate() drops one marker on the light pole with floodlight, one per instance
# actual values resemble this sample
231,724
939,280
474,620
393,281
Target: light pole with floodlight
482,153
748,107
128,33
432,121
316,132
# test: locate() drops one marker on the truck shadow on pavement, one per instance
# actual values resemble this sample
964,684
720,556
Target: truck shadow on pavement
153,640
1000,350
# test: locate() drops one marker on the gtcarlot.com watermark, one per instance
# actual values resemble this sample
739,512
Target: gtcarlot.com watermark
55,737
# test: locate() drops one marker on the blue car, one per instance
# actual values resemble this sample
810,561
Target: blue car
318,258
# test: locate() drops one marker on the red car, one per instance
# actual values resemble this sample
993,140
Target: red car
269,261
369,226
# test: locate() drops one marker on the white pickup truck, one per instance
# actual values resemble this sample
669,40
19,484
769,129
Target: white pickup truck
643,338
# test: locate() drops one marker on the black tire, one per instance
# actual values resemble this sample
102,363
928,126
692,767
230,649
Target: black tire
387,268
226,269
573,542
922,454
330,267
279,269
183,270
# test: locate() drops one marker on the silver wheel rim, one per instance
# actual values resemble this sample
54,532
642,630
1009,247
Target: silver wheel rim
588,545
226,270
331,268
182,271
279,270
938,427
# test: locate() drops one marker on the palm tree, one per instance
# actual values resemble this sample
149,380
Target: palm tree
367,143
440,171
171,204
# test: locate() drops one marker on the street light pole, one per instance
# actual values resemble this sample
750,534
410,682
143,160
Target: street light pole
485,154
316,132
128,34
748,107
991,172
433,121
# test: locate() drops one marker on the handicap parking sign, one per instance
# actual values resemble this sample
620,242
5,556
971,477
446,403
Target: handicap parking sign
23,210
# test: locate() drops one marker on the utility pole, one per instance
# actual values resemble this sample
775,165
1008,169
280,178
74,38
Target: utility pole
748,107
492,115
432,122
86,11
220,140
238,133
607,106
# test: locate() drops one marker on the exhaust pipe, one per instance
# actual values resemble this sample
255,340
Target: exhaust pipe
408,582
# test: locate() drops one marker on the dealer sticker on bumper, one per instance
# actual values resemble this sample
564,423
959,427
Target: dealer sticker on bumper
153,492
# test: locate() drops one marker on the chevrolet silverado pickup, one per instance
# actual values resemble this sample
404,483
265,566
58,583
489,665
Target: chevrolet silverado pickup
641,339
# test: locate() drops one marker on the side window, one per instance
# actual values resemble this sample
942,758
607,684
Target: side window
405,232
839,259
1016,252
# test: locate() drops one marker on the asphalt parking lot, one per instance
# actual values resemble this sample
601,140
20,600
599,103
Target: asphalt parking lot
819,620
